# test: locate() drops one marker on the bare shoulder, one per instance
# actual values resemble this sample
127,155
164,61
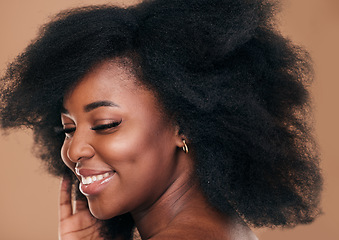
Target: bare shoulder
206,224
205,232
189,231
185,234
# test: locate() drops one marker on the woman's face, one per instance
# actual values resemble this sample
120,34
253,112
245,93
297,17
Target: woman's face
121,147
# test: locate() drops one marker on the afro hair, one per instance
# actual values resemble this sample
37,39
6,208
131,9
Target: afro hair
236,87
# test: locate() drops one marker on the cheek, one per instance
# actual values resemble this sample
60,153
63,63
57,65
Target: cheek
125,147
65,158
139,155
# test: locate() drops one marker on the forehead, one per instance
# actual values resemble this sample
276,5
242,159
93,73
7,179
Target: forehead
105,75
113,81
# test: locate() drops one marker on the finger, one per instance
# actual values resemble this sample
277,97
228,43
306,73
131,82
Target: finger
80,205
65,202
79,201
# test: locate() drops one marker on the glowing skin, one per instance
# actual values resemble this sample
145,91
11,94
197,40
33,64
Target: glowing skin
128,157
141,152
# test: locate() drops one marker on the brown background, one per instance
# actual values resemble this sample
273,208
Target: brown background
28,202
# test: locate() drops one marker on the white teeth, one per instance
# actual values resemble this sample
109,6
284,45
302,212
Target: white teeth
91,179
88,180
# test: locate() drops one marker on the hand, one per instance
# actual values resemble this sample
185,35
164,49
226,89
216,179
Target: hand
77,223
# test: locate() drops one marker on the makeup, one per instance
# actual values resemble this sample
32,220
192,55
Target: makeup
92,182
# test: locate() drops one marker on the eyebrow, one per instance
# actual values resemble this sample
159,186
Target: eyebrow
91,106
94,105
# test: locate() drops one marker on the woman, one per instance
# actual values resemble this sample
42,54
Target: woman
186,120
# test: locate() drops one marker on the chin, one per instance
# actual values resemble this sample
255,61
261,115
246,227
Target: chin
99,211
100,216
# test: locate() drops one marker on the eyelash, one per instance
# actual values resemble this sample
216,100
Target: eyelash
106,126
95,128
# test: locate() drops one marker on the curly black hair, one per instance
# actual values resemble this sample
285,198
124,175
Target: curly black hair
236,87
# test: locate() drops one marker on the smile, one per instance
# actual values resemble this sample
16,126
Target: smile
91,179
94,181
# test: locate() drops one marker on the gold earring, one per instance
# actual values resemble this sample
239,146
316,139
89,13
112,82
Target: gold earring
185,148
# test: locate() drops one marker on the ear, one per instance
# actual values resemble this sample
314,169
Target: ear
179,137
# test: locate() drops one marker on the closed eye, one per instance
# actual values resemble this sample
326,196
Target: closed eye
61,130
68,130
106,126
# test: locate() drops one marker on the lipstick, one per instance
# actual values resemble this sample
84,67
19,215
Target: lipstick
93,181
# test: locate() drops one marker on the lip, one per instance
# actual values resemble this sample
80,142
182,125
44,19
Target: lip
83,172
96,187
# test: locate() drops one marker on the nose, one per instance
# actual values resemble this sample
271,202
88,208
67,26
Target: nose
79,147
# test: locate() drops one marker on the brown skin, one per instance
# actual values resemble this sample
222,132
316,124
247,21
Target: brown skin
75,220
153,178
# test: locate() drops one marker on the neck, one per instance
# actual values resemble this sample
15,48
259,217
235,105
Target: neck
182,205
182,195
